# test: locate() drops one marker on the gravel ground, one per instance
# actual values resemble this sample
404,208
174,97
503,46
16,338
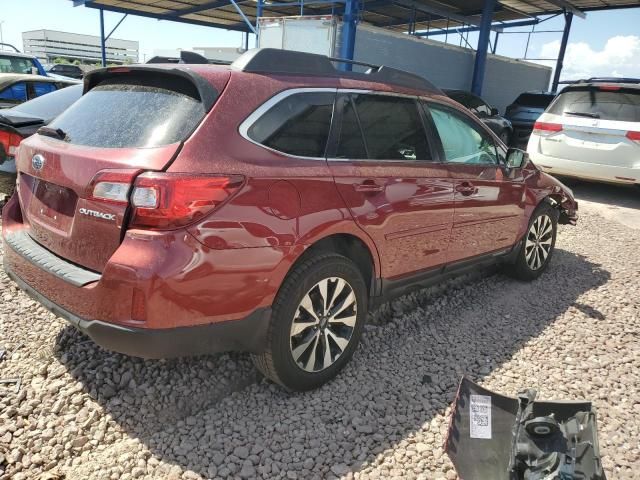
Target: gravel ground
85,413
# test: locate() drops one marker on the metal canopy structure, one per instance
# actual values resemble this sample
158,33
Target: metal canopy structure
416,17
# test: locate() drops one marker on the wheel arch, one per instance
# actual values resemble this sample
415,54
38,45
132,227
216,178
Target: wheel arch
350,246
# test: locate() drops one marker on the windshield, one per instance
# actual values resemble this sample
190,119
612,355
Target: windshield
622,105
534,100
11,64
51,105
122,113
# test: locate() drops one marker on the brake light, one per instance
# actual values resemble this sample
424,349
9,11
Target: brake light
545,129
164,201
634,136
609,88
111,186
10,142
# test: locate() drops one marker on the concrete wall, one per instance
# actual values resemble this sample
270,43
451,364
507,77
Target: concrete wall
448,66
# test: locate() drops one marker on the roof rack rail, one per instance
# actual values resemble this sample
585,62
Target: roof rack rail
602,80
290,62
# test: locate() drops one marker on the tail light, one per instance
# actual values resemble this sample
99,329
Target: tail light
10,142
634,136
544,129
164,201
112,186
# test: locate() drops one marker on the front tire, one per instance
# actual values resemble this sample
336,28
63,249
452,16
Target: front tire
316,324
538,244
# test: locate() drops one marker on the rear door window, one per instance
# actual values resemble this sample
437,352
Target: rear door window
15,93
622,105
42,88
297,125
462,140
391,127
534,100
131,111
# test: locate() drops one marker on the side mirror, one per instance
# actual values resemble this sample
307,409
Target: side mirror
516,158
494,111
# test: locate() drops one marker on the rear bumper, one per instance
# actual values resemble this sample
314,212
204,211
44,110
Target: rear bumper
589,171
247,334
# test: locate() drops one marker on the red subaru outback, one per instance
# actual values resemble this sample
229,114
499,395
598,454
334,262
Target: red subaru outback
265,207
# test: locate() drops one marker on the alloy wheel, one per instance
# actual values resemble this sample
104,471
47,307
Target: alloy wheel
323,324
538,243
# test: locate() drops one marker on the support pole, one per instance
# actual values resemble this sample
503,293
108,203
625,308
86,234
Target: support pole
258,15
483,45
568,18
495,43
103,41
349,22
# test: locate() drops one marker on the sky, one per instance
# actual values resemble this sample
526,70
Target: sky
604,44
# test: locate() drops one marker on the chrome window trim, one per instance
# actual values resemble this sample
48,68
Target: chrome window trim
244,127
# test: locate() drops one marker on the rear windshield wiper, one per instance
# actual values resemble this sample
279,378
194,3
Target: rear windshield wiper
53,132
583,114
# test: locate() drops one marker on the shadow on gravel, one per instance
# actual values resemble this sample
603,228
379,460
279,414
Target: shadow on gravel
399,382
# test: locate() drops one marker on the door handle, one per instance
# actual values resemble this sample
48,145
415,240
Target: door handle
466,188
368,186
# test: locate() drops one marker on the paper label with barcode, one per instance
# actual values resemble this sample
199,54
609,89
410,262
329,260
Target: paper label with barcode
480,416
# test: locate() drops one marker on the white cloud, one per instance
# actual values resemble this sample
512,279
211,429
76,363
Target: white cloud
619,57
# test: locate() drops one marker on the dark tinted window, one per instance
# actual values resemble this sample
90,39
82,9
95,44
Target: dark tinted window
350,143
536,100
52,105
392,128
121,113
621,105
473,103
462,140
297,125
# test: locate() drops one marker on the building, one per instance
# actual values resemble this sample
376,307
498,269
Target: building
216,54
48,45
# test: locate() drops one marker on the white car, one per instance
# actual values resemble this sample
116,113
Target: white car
591,131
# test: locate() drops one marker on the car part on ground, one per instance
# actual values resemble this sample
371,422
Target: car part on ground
23,121
379,168
591,131
495,437
523,113
489,115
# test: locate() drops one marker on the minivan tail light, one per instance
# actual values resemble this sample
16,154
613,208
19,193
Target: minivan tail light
634,136
545,129
165,201
112,186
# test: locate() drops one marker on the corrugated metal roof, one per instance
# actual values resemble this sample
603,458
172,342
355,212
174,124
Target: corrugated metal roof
392,14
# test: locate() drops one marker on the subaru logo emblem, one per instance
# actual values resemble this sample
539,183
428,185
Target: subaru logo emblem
37,162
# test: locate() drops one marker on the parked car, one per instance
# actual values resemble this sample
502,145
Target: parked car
24,120
591,131
16,89
16,62
66,70
168,213
488,114
523,113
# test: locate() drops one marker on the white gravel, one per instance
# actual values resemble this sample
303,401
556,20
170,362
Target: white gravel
575,333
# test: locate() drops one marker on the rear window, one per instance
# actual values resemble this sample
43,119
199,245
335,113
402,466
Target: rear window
620,105
534,100
128,112
11,64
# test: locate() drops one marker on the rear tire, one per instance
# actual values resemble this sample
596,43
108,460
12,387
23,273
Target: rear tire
316,323
538,244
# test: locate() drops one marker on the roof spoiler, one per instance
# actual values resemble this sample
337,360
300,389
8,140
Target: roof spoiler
206,92
602,80
290,62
